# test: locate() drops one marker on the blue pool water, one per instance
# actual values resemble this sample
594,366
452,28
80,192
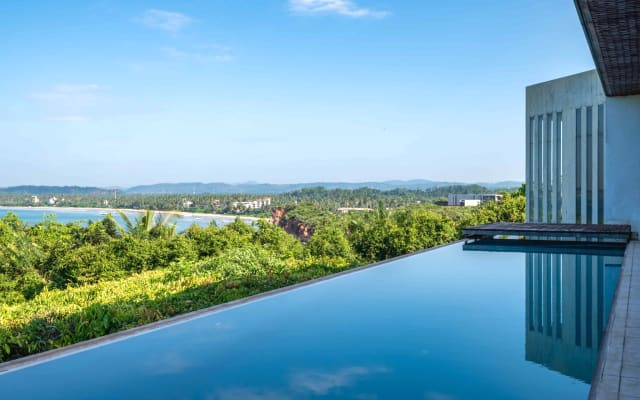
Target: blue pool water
445,324
35,215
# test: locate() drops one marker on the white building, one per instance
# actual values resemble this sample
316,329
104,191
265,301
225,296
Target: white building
346,210
582,151
253,204
470,203
471,199
187,203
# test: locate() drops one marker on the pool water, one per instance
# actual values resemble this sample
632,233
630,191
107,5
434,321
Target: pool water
69,215
444,324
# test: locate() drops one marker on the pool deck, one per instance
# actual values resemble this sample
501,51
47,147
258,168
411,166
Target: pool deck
614,249
617,374
589,231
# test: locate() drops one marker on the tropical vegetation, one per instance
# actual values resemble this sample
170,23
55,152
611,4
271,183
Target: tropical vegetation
65,283
326,199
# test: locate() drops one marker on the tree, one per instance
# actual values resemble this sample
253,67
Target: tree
330,242
148,224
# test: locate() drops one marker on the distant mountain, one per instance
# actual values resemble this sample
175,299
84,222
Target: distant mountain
268,188
501,185
35,190
244,188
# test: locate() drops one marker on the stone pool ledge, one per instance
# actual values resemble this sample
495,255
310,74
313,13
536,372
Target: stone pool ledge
617,374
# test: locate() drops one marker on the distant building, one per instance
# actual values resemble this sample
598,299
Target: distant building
472,200
187,203
105,203
35,199
52,201
470,203
254,204
346,210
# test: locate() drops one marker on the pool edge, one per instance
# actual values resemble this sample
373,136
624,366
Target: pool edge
614,378
50,355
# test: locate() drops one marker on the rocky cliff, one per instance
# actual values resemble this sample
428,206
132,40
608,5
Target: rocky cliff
293,227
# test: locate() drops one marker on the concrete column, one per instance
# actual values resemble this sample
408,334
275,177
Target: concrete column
583,165
548,163
569,166
594,164
557,295
589,302
538,292
557,192
547,295
529,275
529,169
568,294
536,168
540,168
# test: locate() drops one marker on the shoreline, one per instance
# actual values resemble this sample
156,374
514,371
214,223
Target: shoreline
130,210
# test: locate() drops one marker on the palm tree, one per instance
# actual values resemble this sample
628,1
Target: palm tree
149,223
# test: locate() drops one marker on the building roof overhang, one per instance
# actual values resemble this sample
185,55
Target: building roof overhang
612,28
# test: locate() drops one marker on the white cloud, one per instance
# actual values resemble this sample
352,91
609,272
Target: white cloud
170,363
199,56
169,21
320,383
69,93
346,8
250,394
65,87
437,396
70,102
68,118
305,383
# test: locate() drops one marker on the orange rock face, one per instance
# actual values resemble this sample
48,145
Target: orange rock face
296,228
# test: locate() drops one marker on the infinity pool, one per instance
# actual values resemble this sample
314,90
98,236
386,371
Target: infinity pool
444,324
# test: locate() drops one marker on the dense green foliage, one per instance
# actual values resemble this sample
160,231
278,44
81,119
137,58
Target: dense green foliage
60,284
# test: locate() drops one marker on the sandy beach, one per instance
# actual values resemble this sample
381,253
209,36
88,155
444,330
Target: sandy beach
129,210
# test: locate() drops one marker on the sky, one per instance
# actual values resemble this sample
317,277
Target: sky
121,93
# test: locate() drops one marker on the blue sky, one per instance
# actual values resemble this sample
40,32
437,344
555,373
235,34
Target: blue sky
132,92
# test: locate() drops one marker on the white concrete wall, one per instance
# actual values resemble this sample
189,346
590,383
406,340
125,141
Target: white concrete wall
622,161
551,166
570,193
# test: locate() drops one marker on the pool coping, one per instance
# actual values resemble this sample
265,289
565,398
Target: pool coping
617,374
49,355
